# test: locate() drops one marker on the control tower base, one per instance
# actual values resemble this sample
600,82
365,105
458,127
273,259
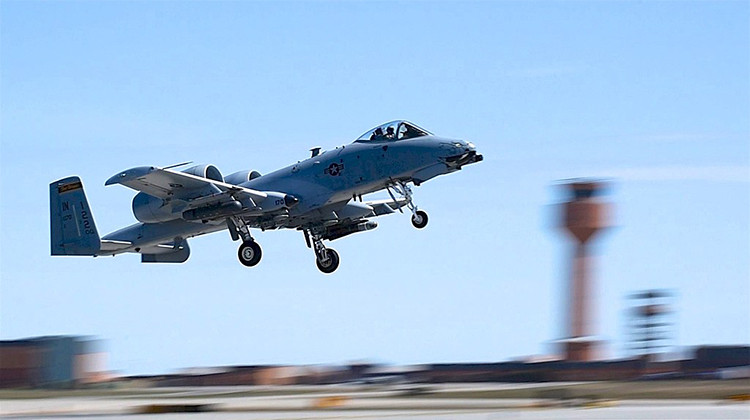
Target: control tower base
581,349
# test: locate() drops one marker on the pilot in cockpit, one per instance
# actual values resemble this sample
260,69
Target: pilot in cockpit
390,133
377,134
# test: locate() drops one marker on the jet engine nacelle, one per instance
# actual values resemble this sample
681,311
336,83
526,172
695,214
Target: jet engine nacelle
205,171
150,209
240,177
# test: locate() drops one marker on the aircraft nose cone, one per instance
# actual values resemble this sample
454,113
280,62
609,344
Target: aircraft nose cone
460,153
473,155
458,147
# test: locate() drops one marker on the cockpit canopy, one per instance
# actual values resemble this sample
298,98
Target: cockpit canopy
394,130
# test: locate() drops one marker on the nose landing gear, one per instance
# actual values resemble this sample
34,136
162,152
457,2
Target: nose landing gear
418,217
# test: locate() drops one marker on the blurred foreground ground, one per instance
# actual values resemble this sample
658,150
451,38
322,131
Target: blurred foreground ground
615,400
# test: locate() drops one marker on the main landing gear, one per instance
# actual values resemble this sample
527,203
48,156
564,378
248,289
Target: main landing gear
327,259
249,253
418,217
330,262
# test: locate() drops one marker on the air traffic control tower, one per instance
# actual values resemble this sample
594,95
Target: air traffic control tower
583,216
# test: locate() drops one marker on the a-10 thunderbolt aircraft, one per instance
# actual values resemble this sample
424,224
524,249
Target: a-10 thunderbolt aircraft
320,196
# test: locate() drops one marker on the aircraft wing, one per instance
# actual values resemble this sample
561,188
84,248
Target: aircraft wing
168,184
381,207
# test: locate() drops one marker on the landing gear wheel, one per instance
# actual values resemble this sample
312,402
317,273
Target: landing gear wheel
330,265
249,253
419,219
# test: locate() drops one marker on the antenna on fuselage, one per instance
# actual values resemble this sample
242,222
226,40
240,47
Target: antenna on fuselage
315,151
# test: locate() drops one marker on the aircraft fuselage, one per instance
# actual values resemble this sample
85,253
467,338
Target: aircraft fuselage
361,168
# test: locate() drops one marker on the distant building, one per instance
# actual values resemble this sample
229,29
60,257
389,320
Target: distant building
54,361
651,323
711,360
250,375
584,216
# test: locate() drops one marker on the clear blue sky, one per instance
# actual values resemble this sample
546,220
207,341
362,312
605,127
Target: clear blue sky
652,95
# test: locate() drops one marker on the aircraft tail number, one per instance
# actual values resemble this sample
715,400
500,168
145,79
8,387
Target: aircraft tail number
72,227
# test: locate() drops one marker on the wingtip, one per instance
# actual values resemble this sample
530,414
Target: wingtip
129,174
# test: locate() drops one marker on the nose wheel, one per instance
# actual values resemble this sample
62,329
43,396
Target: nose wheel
419,219
249,253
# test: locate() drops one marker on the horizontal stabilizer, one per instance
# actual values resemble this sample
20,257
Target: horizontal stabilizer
177,252
110,246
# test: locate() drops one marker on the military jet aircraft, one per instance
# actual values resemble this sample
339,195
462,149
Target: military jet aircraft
320,196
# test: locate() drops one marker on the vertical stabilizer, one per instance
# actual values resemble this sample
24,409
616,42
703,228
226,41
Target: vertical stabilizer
72,228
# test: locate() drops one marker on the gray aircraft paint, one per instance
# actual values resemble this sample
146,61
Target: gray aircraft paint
314,195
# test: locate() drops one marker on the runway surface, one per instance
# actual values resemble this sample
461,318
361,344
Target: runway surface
349,402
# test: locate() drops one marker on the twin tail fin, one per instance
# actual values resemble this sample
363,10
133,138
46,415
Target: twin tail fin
72,227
